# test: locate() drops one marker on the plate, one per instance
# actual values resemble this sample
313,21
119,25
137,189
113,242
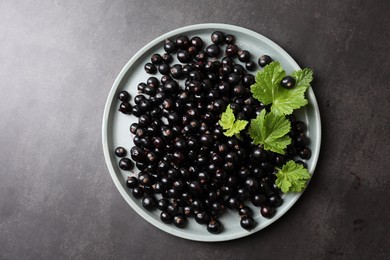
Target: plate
116,127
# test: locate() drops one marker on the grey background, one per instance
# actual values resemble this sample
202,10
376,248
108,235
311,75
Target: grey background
58,60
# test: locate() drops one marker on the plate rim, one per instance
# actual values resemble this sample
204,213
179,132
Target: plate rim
110,98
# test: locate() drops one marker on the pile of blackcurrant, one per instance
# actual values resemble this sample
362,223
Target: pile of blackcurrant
187,167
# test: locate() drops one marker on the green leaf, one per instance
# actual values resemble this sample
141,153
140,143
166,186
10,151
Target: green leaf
303,77
264,89
268,89
227,118
229,123
257,129
271,131
292,177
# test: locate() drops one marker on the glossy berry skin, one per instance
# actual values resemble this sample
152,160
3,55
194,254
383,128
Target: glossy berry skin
149,203
182,42
202,56
141,86
169,46
212,50
138,192
153,81
258,155
267,211
197,42
264,60
139,98
218,37
230,39
258,200
244,56
126,164
251,184
166,217
248,80
234,78
245,211
171,86
250,65
131,182
202,218
125,108
180,221
177,71
156,59
232,203
231,50
305,153
275,201
288,82
247,223
162,204
164,68
214,226
120,151
124,96
183,56
137,154
167,58
150,68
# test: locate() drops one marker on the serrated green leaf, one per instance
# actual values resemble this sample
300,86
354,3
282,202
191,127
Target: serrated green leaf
264,89
227,118
292,177
270,130
229,123
303,77
298,186
230,132
277,126
240,125
278,145
283,183
257,128
268,89
288,100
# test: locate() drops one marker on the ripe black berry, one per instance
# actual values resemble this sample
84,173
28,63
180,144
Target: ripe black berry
197,42
231,50
214,226
131,182
180,221
125,108
149,203
288,82
264,60
126,164
182,42
150,68
244,56
212,50
267,211
124,96
218,37
247,223
230,39
120,151
169,46
156,59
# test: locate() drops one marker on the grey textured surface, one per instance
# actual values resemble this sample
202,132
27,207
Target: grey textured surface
58,60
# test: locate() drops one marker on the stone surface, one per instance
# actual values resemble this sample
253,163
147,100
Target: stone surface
58,60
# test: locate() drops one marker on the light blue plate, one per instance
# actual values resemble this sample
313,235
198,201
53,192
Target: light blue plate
116,127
